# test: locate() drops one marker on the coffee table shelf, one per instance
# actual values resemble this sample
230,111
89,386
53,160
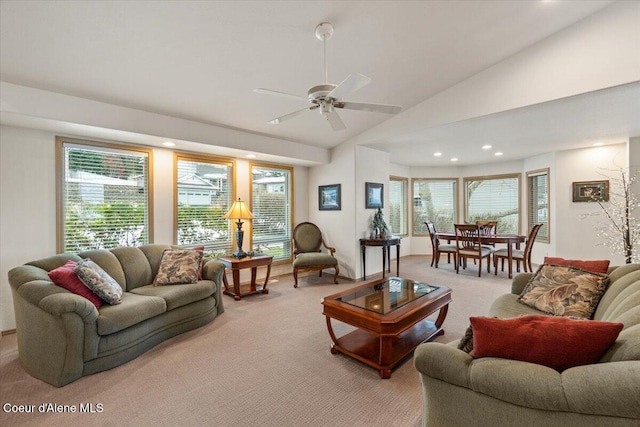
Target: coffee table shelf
366,346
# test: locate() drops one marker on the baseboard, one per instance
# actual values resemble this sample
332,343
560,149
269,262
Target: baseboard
8,332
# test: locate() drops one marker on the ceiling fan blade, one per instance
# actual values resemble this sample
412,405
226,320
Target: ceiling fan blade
375,108
290,115
351,84
335,121
281,94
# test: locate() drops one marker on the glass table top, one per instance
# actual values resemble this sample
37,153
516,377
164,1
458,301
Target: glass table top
389,295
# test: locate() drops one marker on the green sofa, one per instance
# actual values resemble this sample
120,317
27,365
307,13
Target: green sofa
62,336
461,391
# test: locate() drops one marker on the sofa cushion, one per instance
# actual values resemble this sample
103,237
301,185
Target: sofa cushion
179,266
135,265
557,342
179,295
132,310
66,277
596,266
564,291
99,281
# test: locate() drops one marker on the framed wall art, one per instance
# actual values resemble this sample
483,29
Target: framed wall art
591,191
329,197
374,195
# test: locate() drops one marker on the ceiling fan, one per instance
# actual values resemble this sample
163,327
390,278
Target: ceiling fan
327,97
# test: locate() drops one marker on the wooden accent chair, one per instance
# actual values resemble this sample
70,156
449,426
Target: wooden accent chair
438,248
307,250
468,246
518,255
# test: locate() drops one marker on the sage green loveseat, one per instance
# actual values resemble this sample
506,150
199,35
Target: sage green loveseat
461,391
62,336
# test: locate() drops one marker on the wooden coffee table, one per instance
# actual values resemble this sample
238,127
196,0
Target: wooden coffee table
391,320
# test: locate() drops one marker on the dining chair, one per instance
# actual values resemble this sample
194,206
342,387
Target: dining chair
468,245
307,251
439,248
518,255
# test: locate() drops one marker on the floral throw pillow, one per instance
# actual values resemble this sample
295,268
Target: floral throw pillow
96,279
178,266
564,291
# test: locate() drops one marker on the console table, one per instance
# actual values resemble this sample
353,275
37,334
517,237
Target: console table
386,253
235,265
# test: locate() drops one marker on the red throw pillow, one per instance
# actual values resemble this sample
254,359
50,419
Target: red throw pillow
557,342
66,277
597,266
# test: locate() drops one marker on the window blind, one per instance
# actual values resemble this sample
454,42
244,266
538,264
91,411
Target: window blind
271,205
434,200
493,199
105,197
398,205
204,194
538,203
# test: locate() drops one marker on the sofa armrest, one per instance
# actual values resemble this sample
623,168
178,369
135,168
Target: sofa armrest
444,362
519,282
213,270
56,301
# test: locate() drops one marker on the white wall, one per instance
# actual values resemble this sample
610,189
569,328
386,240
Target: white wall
338,227
28,204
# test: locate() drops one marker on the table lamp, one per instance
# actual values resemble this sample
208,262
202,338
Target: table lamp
239,211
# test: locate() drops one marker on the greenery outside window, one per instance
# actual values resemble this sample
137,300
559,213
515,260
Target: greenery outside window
434,200
494,198
538,202
104,195
272,208
203,194
398,205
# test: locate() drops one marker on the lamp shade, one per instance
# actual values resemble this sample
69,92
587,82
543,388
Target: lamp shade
239,210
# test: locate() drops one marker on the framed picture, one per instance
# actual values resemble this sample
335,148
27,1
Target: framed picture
329,198
591,191
374,195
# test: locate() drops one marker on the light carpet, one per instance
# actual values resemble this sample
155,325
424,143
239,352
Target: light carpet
264,362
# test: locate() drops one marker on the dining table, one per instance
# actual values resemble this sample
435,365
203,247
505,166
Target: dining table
510,240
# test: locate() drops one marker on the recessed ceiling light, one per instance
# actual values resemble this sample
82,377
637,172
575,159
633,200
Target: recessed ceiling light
454,159
486,147
437,154
498,153
251,156
168,144
598,144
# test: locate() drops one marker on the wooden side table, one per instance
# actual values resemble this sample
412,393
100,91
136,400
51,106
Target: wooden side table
235,265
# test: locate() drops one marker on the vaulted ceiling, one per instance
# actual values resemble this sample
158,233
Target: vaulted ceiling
201,60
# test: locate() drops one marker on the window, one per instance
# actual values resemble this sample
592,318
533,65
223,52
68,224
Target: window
104,194
272,207
538,202
203,194
398,205
434,200
494,198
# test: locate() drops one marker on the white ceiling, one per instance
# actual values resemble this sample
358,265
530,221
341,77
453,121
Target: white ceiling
200,60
